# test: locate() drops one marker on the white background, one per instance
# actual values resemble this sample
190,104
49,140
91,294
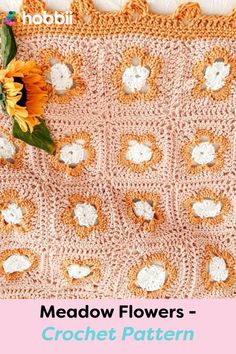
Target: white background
161,6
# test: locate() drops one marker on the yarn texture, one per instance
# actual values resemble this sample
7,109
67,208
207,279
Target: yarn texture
139,197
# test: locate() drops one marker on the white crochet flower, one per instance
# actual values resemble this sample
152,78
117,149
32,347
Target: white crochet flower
7,148
216,74
134,78
218,269
76,271
13,214
139,152
61,77
86,214
16,263
152,277
207,208
73,154
144,209
203,153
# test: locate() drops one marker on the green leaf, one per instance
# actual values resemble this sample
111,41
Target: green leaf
40,137
2,99
9,48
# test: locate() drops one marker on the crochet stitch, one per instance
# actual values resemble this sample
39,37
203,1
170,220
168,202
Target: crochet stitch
138,199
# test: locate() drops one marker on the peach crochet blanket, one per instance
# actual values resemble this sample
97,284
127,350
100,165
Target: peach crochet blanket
138,199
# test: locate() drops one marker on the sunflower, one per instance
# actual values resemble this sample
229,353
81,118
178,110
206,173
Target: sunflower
23,92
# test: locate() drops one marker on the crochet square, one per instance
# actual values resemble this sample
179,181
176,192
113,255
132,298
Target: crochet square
80,149
29,196
162,58
136,256
96,278
127,194
140,148
216,244
32,283
209,137
200,55
83,214
219,216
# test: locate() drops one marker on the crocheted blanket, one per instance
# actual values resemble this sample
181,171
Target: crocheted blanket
138,198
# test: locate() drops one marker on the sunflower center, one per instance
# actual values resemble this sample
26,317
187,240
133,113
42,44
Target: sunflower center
23,100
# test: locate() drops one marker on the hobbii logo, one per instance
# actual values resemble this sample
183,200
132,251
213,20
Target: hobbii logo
48,19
